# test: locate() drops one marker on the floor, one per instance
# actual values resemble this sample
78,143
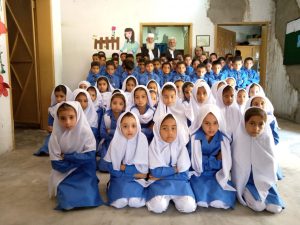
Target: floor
24,199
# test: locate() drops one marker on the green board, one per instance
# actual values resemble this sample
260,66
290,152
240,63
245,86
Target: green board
292,44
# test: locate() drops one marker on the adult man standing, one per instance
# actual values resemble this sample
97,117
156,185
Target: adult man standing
150,48
172,52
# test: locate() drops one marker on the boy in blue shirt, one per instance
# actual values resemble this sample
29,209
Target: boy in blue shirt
157,66
188,64
166,73
253,76
238,74
148,75
110,74
216,75
93,74
200,73
180,75
129,70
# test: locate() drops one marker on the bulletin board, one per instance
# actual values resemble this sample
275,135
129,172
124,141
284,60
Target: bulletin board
292,43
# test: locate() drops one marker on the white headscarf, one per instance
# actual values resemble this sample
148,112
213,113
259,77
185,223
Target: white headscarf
79,139
128,94
223,174
157,84
130,152
214,88
261,90
162,154
148,115
268,105
242,107
69,97
88,84
98,98
90,111
177,109
230,114
196,106
105,96
256,154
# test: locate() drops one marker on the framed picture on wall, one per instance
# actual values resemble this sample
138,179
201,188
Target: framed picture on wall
203,40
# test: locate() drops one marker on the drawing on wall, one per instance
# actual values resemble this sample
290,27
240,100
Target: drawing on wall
107,43
130,45
203,40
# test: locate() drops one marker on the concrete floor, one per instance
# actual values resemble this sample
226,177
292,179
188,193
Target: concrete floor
24,199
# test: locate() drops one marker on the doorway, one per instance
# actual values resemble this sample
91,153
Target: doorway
249,38
162,31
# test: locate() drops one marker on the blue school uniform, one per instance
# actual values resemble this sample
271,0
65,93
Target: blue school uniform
206,188
92,78
159,72
44,150
126,74
122,184
240,77
146,126
252,76
145,77
164,78
212,78
102,70
170,183
106,137
189,70
182,77
113,80
195,77
273,196
73,191
119,72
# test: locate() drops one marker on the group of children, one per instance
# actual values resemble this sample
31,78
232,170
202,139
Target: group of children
201,141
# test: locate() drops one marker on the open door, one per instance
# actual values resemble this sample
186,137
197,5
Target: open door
225,42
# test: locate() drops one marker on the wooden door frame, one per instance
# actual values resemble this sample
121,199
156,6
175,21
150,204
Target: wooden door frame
167,24
263,48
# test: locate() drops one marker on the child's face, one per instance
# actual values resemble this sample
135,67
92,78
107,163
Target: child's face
188,61
67,118
222,63
195,64
95,69
241,97
110,69
102,86
92,94
116,63
123,57
201,95
129,127
253,91
166,69
174,64
83,86
181,69
258,102
140,98
255,126
96,59
231,82
102,61
201,72
168,130
117,105
188,92
208,67
82,99
153,97
237,65
179,85
228,97
210,125
213,58
149,68
60,96
153,86
230,64
248,64
130,85
156,65
217,68
142,67
202,58
169,97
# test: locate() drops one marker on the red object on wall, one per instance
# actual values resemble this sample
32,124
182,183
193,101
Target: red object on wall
3,29
3,87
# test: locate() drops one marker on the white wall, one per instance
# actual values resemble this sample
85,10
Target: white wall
6,125
81,19
243,31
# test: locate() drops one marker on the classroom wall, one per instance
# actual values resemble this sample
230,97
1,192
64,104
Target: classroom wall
6,113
